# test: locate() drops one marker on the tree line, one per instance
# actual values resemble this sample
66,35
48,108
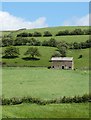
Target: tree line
20,41
60,33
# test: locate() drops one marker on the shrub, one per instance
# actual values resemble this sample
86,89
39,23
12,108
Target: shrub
6,42
37,34
80,56
47,34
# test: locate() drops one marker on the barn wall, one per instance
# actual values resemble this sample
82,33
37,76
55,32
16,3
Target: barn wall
65,64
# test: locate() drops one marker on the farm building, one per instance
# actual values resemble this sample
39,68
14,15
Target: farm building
62,63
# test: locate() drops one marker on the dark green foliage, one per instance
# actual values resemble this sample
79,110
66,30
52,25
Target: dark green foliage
20,41
74,32
37,34
56,54
6,42
80,56
52,42
33,42
62,48
75,99
47,34
60,33
32,52
77,32
24,34
11,52
45,43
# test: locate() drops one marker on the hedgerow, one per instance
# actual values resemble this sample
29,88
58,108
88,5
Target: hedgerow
64,99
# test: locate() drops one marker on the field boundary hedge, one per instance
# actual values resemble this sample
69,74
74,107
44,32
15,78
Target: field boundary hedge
15,100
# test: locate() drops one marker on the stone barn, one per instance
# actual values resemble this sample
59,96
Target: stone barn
62,63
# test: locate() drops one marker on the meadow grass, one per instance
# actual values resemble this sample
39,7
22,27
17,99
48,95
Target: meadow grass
47,111
44,83
46,53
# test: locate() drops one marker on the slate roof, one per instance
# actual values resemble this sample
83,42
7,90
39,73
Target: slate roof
61,58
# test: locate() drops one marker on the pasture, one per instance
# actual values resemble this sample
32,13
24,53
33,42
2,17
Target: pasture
47,111
43,83
24,80
46,53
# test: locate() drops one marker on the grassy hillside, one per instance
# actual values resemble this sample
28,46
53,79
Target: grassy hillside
53,30
48,111
44,83
46,53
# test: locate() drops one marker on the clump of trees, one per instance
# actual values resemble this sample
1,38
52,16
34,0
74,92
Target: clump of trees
74,32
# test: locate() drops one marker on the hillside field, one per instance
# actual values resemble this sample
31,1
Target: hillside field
23,77
46,53
54,31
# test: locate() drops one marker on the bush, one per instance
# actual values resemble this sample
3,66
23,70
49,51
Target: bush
49,67
77,32
37,34
47,34
6,42
66,32
80,56
24,34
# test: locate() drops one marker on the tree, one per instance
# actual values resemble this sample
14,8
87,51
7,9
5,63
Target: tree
24,34
37,34
56,54
62,48
52,42
7,41
32,52
11,52
62,51
47,34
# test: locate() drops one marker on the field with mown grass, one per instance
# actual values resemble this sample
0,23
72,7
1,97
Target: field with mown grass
48,111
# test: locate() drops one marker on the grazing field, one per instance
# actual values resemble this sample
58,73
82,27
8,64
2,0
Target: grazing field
46,53
44,83
32,78
47,111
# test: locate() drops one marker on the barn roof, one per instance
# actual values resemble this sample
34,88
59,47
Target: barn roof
62,58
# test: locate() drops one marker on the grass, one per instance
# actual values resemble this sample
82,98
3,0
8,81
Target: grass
46,53
44,83
47,111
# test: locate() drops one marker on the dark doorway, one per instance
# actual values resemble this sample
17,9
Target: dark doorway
62,67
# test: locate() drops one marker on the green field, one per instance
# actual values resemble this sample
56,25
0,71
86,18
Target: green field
47,111
24,80
46,53
54,31
44,83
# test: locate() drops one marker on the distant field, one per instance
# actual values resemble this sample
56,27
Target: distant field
48,111
46,53
54,31
68,39
44,83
